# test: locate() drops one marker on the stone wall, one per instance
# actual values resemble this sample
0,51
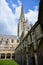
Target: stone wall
27,50
30,49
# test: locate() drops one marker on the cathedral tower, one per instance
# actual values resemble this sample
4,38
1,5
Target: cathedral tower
23,24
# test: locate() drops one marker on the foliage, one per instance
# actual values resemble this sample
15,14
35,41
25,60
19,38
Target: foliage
8,62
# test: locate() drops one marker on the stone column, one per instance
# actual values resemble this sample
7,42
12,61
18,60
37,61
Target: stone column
5,56
27,59
27,54
36,58
11,56
0,55
35,48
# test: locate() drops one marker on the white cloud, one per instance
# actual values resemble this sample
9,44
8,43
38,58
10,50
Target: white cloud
14,5
8,18
17,11
19,2
32,15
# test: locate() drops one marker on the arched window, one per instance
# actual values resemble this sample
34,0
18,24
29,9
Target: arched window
12,41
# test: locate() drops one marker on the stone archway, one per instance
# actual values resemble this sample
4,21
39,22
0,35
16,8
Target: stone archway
2,56
13,56
8,56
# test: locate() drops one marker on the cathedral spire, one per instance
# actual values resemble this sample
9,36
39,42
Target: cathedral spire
23,24
22,13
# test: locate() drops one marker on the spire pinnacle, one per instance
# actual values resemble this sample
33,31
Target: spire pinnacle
22,12
22,9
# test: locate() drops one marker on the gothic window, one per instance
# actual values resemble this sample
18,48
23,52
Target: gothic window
7,39
12,46
2,39
0,42
6,42
12,41
30,37
17,41
6,47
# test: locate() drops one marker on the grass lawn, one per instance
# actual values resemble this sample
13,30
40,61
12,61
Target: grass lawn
8,62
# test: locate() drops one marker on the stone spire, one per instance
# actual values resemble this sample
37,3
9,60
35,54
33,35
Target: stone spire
23,24
22,17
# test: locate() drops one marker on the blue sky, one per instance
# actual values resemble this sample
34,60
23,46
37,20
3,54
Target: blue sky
10,13
27,4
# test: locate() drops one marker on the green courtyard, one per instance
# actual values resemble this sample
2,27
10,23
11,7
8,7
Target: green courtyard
8,62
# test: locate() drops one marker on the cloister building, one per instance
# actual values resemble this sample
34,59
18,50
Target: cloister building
8,43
